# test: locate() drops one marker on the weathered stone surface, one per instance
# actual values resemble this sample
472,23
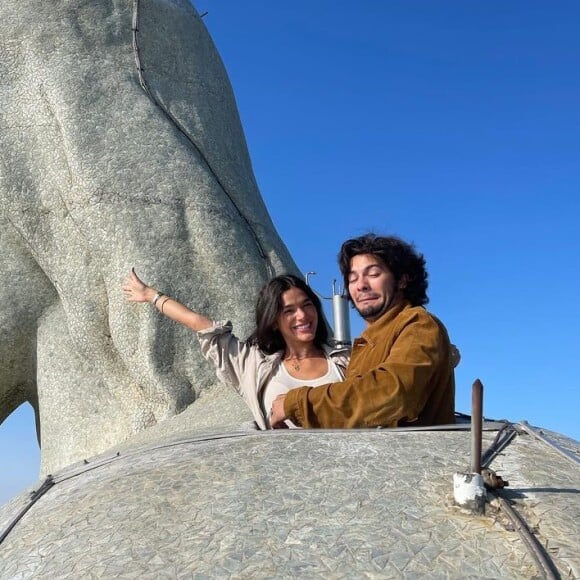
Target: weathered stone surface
96,178
283,504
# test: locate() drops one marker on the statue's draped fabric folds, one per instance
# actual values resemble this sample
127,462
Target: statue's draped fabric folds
121,147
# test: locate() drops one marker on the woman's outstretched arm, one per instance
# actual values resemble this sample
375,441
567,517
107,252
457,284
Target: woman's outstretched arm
137,291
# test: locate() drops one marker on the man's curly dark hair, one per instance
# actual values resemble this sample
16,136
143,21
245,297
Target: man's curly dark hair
400,258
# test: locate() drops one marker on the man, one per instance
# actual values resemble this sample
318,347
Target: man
401,370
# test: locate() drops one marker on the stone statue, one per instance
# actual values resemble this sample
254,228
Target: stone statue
121,147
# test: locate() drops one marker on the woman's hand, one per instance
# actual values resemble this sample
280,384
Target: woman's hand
136,290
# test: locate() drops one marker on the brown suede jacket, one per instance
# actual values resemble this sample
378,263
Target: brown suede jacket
400,374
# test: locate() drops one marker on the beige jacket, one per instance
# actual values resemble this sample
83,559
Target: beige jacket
246,368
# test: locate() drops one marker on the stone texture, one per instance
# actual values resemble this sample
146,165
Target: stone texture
343,504
96,178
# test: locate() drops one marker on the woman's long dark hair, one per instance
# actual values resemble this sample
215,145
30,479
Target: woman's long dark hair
269,307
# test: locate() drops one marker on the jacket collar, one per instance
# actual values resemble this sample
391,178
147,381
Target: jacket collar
335,350
375,331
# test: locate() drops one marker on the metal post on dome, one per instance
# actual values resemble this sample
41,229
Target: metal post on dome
340,312
340,316
469,487
476,425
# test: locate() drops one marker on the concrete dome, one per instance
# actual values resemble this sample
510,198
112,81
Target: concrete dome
337,504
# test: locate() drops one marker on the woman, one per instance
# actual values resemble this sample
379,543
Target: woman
288,348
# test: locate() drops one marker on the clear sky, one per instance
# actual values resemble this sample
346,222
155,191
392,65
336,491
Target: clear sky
453,124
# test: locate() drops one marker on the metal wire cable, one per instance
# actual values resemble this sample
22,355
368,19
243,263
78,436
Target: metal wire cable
502,439
144,85
541,436
76,471
52,480
506,433
534,547
34,497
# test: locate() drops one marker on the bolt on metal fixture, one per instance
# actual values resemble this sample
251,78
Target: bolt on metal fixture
492,480
340,312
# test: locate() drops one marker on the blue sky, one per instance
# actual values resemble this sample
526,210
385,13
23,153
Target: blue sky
455,125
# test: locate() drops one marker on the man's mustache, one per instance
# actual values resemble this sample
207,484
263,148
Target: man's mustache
367,295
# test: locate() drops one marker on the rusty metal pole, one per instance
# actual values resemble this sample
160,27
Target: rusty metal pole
476,425
469,488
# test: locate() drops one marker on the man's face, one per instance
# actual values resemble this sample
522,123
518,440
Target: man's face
372,287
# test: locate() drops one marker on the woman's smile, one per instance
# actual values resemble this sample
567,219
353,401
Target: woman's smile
298,318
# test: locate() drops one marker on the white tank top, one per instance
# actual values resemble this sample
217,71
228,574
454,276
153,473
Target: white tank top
282,382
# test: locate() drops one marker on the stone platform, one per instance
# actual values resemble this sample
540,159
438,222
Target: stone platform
315,504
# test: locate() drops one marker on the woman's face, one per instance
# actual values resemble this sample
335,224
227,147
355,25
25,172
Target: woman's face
298,319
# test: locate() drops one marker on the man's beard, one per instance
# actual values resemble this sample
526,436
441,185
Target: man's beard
371,313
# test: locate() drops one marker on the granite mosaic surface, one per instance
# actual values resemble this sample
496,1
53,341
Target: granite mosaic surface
545,488
98,175
357,504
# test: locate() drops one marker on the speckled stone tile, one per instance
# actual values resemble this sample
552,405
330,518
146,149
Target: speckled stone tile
545,488
345,504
